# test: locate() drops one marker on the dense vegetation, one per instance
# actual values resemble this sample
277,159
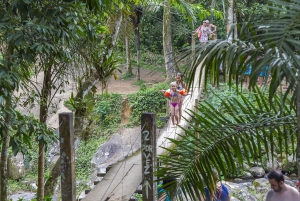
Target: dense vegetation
59,41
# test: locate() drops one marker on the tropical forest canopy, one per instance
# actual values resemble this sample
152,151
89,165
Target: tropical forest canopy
81,41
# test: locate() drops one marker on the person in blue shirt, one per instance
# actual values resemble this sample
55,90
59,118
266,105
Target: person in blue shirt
221,194
162,195
263,74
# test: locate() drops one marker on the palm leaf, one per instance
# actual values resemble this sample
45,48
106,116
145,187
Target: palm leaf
273,43
212,143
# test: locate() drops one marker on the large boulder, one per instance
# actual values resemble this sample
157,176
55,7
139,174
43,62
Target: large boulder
108,151
236,187
15,166
119,146
257,172
53,154
247,176
261,183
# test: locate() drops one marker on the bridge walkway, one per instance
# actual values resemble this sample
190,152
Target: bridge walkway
122,180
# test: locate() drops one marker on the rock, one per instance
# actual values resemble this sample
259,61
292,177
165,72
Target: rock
116,149
238,180
289,182
246,196
261,182
107,151
53,154
247,175
34,186
262,190
15,166
237,187
234,199
246,166
251,188
257,172
286,178
255,164
23,196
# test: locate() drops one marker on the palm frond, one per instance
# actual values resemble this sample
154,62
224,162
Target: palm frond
227,140
273,43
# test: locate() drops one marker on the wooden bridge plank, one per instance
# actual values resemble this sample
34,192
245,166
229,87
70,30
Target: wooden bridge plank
121,180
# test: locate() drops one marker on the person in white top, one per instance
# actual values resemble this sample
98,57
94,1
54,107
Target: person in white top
280,191
213,29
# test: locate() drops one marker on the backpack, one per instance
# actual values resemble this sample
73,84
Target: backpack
199,31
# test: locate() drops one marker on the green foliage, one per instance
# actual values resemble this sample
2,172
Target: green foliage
254,12
127,76
152,61
225,135
150,32
84,154
86,104
148,100
46,198
159,122
23,130
20,185
138,196
108,110
259,46
141,83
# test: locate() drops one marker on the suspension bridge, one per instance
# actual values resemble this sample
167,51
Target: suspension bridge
124,177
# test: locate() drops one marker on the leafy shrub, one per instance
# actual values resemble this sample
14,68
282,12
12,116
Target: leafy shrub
147,100
108,109
84,155
127,76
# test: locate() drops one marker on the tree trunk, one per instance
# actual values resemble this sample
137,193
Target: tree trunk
137,44
212,7
298,131
235,33
136,19
40,187
45,93
84,89
230,18
6,130
128,60
52,180
167,42
4,151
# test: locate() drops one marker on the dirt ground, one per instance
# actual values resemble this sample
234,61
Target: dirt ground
126,87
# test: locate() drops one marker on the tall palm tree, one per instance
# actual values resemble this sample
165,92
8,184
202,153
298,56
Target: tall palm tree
273,43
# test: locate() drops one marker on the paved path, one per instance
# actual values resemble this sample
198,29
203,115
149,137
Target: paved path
124,177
